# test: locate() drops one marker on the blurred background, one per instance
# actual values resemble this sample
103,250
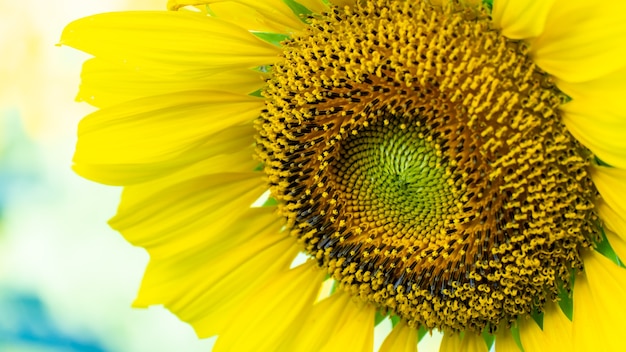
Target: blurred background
66,279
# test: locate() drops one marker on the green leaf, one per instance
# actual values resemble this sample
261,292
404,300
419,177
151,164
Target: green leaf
488,3
421,332
604,247
394,320
259,94
566,298
489,338
272,38
270,202
263,69
379,317
516,337
601,163
298,9
538,318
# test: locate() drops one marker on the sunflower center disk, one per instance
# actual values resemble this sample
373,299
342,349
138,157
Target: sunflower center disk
391,177
420,157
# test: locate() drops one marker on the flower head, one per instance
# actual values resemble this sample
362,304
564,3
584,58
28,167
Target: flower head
445,163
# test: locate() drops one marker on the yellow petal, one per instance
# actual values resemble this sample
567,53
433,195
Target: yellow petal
555,336
263,319
220,167
229,150
168,43
160,128
618,243
611,219
326,317
598,129
505,342
607,91
470,342
134,195
188,214
315,6
105,83
174,5
246,17
274,10
582,40
357,331
614,228
532,337
347,325
521,19
402,338
599,308
207,284
611,183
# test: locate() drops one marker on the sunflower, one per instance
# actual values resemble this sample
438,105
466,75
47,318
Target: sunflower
452,165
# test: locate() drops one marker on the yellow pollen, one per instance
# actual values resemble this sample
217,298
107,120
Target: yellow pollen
420,156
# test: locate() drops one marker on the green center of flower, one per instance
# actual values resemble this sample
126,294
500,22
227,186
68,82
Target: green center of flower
420,157
389,173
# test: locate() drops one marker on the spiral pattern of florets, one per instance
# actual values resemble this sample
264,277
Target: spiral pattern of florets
419,155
